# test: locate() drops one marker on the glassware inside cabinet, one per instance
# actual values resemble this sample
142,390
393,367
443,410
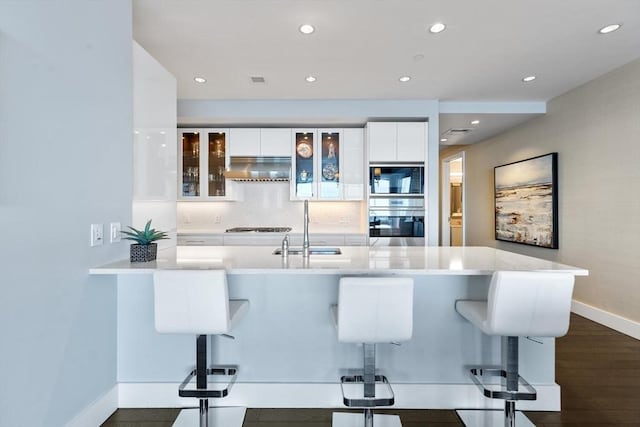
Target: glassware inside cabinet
190,164
330,165
217,162
304,165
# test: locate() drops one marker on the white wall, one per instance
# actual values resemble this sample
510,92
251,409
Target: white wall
594,129
65,162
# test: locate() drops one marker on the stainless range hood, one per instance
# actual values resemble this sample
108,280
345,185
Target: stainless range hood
259,169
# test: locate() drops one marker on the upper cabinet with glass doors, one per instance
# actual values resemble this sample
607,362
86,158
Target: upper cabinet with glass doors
203,158
325,166
303,164
329,167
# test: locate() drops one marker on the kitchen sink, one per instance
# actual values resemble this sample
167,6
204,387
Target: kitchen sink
312,251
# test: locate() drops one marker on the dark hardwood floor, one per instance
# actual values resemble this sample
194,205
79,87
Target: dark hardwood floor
597,368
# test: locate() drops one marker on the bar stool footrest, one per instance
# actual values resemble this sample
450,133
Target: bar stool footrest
363,401
230,371
476,373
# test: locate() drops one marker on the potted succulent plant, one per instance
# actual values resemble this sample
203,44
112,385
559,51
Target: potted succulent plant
144,249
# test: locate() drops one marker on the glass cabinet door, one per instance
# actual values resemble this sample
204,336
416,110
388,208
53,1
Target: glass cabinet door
304,164
329,168
217,150
190,164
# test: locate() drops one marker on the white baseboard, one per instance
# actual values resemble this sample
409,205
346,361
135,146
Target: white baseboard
613,321
97,412
277,395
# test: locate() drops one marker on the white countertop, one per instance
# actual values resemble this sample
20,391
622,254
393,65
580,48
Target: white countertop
354,260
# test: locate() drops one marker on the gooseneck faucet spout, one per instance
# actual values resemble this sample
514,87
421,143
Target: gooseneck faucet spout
305,239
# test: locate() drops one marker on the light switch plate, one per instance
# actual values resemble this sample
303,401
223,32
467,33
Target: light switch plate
114,232
97,234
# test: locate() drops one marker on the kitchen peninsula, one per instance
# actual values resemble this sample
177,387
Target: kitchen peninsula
286,345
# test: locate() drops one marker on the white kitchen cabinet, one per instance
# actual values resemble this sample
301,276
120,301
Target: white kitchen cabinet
275,142
382,139
352,174
397,141
265,142
270,239
355,239
244,142
202,159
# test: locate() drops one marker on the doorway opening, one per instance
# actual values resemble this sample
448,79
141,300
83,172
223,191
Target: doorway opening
453,206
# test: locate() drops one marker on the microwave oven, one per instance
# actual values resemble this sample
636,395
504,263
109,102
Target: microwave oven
396,179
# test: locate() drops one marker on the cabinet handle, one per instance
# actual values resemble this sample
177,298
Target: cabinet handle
197,242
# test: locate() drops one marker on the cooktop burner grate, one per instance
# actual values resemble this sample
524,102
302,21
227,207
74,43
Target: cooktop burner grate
259,229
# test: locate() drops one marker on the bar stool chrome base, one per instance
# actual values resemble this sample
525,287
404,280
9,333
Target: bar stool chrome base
354,391
228,373
491,418
218,417
515,381
350,419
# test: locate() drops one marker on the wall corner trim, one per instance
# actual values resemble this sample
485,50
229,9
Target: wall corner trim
610,320
97,412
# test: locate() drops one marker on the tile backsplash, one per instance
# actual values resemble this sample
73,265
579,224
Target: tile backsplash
267,204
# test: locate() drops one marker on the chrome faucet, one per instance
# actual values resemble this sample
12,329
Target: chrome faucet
285,246
305,239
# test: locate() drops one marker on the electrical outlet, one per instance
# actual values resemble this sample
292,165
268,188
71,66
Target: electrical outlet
114,232
217,219
97,234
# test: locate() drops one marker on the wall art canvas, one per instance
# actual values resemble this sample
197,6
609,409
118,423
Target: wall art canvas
526,201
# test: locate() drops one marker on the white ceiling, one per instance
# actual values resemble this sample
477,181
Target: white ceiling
361,48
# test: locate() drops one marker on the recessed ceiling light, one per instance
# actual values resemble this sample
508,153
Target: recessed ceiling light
528,79
405,79
443,139
306,29
310,79
200,79
436,28
475,122
609,28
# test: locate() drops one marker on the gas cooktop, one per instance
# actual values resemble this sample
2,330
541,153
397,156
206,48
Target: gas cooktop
259,229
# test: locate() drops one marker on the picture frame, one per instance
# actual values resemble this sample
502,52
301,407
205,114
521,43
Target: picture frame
526,201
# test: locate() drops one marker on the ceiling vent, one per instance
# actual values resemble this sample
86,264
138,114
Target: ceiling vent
456,131
257,79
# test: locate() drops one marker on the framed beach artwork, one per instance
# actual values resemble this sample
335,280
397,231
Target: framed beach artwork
526,201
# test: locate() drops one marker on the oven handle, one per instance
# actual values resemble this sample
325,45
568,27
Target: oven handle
396,165
396,212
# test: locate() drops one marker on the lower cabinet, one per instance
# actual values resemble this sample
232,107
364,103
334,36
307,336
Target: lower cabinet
275,240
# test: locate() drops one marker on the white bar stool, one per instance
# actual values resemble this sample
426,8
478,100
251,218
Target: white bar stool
370,311
520,304
197,302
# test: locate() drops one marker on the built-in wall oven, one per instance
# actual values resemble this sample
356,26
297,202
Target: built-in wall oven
396,204
396,221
